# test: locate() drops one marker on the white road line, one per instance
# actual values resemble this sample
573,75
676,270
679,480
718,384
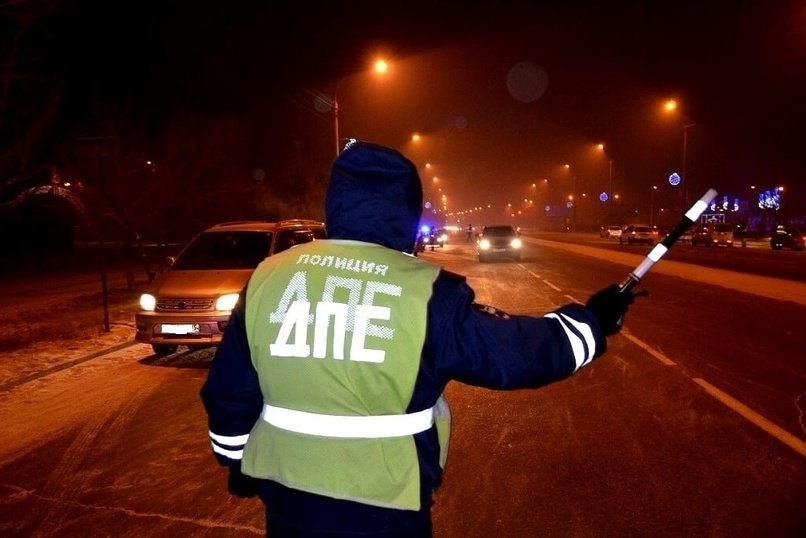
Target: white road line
657,354
776,431
550,285
772,429
573,299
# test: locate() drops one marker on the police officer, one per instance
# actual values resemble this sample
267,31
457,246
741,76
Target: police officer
325,395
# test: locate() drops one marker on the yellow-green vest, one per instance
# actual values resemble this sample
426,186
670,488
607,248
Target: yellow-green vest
336,329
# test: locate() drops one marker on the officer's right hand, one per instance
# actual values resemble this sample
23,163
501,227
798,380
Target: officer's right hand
242,485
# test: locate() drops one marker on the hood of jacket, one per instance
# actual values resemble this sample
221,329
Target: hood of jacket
374,195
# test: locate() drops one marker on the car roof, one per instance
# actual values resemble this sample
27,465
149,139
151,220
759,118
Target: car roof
264,226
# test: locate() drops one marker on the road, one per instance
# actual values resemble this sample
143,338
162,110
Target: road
692,423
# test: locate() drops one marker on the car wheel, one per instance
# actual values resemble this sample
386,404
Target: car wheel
162,350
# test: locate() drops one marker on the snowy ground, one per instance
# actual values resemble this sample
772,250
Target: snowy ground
56,324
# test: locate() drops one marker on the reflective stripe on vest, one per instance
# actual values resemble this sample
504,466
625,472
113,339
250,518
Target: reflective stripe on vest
363,427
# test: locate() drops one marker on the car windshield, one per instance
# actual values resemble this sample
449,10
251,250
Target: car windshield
723,227
225,250
499,231
643,229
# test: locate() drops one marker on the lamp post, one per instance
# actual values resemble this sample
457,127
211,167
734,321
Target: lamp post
652,205
670,106
380,67
685,156
573,198
609,199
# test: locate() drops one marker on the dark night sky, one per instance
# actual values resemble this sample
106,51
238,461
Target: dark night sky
737,68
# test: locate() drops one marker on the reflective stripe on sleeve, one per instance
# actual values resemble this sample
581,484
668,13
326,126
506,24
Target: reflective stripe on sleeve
231,454
583,350
230,446
364,427
229,440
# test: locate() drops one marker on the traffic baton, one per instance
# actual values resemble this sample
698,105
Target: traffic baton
661,248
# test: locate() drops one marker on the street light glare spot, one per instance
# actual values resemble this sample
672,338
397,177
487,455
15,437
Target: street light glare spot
527,82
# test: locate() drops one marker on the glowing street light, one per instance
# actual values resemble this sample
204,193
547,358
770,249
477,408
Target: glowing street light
380,67
671,106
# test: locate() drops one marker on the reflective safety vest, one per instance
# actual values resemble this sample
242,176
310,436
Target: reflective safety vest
336,330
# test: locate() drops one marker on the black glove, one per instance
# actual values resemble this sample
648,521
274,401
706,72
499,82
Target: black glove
241,485
609,307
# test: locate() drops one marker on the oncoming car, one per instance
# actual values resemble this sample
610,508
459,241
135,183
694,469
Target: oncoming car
499,241
431,238
190,303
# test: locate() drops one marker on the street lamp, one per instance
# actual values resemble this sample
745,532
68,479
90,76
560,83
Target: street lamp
685,154
652,205
671,106
573,198
380,67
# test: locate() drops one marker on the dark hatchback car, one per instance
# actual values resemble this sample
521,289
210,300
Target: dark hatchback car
500,241
792,238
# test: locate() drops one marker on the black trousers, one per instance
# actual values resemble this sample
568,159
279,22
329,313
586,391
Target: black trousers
291,513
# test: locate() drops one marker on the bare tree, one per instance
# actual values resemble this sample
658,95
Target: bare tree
30,91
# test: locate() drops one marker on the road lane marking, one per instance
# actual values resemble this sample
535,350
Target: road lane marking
646,347
768,426
550,285
765,424
779,433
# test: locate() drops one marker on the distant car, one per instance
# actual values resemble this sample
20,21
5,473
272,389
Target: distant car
429,238
636,234
499,241
436,238
792,238
713,235
610,232
190,303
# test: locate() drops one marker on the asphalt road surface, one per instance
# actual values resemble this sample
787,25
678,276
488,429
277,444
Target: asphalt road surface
691,425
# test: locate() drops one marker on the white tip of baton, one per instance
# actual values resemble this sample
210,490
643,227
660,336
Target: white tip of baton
700,205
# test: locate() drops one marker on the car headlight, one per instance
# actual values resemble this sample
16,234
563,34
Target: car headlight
516,243
226,302
443,237
484,244
148,302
